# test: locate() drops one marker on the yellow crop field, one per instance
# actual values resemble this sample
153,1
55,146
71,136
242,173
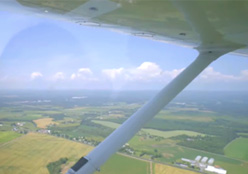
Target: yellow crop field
44,122
31,153
164,169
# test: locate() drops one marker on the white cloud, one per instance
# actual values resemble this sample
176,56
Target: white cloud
146,72
36,75
210,75
113,73
83,74
73,76
244,75
172,74
59,76
151,72
84,71
124,77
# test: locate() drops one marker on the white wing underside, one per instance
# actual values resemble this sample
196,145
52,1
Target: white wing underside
191,23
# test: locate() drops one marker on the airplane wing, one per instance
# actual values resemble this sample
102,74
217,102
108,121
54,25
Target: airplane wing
161,20
214,28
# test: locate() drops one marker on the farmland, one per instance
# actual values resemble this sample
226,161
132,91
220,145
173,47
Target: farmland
44,122
187,114
107,123
171,152
164,169
164,134
43,149
122,165
169,134
64,123
238,148
8,136
17,156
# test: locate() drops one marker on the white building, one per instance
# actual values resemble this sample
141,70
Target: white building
204,159
211,161
215,170
198,158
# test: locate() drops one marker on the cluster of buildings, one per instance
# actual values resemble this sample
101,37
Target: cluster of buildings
126,148
20,124
84,140
44,131
204,164
17,126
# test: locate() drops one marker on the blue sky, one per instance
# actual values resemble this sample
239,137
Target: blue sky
39,53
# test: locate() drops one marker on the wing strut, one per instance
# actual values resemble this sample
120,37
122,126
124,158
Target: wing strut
98,156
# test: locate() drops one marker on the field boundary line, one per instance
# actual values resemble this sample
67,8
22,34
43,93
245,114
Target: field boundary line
151,167
16,139
157,162
230,143
214,154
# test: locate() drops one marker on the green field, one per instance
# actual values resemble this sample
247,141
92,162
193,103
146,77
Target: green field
18,115
171,153
107,123
8,136
238,148
187,114
119,164
154,132
6,126
168,134
243,134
